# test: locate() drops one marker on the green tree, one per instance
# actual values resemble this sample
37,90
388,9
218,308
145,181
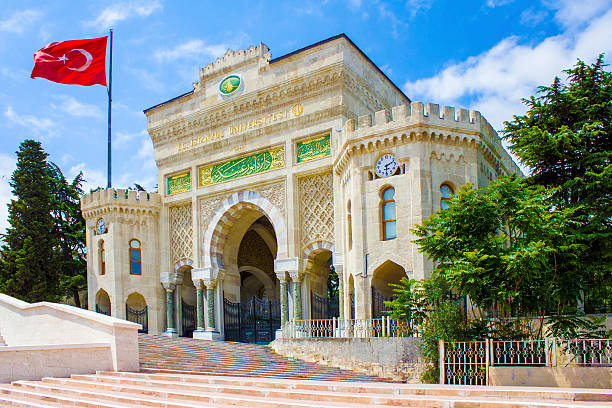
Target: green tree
499,245
565,139
28,269
69,228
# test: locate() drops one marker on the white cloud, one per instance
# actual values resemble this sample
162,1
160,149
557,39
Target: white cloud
146,149
498,3
92,178
122,10
496,80
7,166
71,106
532,17
190,49
19,21
38,126
121,139
416,5
147,79
572,13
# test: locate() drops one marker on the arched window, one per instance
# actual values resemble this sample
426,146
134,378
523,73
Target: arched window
447,193
349,226
389,229
135,265
101,258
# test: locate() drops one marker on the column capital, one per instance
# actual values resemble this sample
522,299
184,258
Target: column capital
297,276
169,286
198,283
169,279
282,276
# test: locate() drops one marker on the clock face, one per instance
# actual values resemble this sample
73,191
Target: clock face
386,165
101,226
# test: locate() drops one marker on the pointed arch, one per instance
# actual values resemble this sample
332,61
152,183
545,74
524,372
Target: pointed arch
226,215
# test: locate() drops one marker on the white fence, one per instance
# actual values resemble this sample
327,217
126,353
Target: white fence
348,328
467,363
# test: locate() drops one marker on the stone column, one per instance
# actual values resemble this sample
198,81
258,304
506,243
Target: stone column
206,277
170,329
284,298
201,326
297,277
337,261
210,305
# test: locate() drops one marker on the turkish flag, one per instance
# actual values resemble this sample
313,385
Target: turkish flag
80,62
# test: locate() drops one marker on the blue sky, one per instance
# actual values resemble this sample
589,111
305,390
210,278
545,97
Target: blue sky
484,55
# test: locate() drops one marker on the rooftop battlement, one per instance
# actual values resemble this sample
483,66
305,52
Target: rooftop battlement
232,58
122,197
429,114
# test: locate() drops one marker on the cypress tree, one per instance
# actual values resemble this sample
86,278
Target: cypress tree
28,268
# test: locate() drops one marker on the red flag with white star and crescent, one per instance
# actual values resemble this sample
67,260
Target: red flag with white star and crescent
79,62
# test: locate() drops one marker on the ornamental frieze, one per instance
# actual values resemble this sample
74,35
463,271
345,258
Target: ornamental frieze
243,166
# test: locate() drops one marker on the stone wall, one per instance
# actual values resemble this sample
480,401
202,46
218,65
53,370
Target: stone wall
565,377
397,358
40,337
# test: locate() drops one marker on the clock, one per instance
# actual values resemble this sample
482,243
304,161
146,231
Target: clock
101,226
386,165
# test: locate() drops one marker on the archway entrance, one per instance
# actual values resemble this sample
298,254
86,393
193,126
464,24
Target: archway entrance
188,303
103,303
251,302
136,311
323,279
387,273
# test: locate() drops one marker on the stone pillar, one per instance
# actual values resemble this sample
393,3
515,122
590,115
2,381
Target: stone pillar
207,277
170,328
337,262
284,298
210,305
201,326
297,277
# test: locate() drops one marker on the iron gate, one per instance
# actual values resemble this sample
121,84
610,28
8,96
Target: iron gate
323,307
253,321
188,318
378,303
138,316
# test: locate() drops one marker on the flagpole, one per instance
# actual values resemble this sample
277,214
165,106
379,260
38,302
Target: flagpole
110,102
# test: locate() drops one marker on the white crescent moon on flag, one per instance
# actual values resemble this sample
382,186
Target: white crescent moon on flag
88,59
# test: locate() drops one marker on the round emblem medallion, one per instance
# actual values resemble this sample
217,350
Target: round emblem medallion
229,85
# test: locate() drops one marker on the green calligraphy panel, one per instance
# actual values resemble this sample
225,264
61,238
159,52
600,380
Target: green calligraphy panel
243,166
313,149
179,183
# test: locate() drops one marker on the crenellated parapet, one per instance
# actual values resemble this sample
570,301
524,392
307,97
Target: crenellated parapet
418,122
121,202
233,59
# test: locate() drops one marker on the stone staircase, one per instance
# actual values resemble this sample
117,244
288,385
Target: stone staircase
174,390
185,373
162,354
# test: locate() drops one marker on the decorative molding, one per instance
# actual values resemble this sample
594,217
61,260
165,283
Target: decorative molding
316,208
276,194
181,232
313,149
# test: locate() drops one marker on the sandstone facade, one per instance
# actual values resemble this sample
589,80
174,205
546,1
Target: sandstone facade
268,176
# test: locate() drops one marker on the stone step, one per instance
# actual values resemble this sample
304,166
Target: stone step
259,373
50,399
348,395
224,358
125,396
530,393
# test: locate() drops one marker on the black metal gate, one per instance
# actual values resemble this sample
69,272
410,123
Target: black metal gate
378,303
103,310
253,321
323,308
188,318
138,316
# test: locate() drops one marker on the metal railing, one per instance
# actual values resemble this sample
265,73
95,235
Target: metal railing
348,328
467,363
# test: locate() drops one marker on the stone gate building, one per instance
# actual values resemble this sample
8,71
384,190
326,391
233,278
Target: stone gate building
271,171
